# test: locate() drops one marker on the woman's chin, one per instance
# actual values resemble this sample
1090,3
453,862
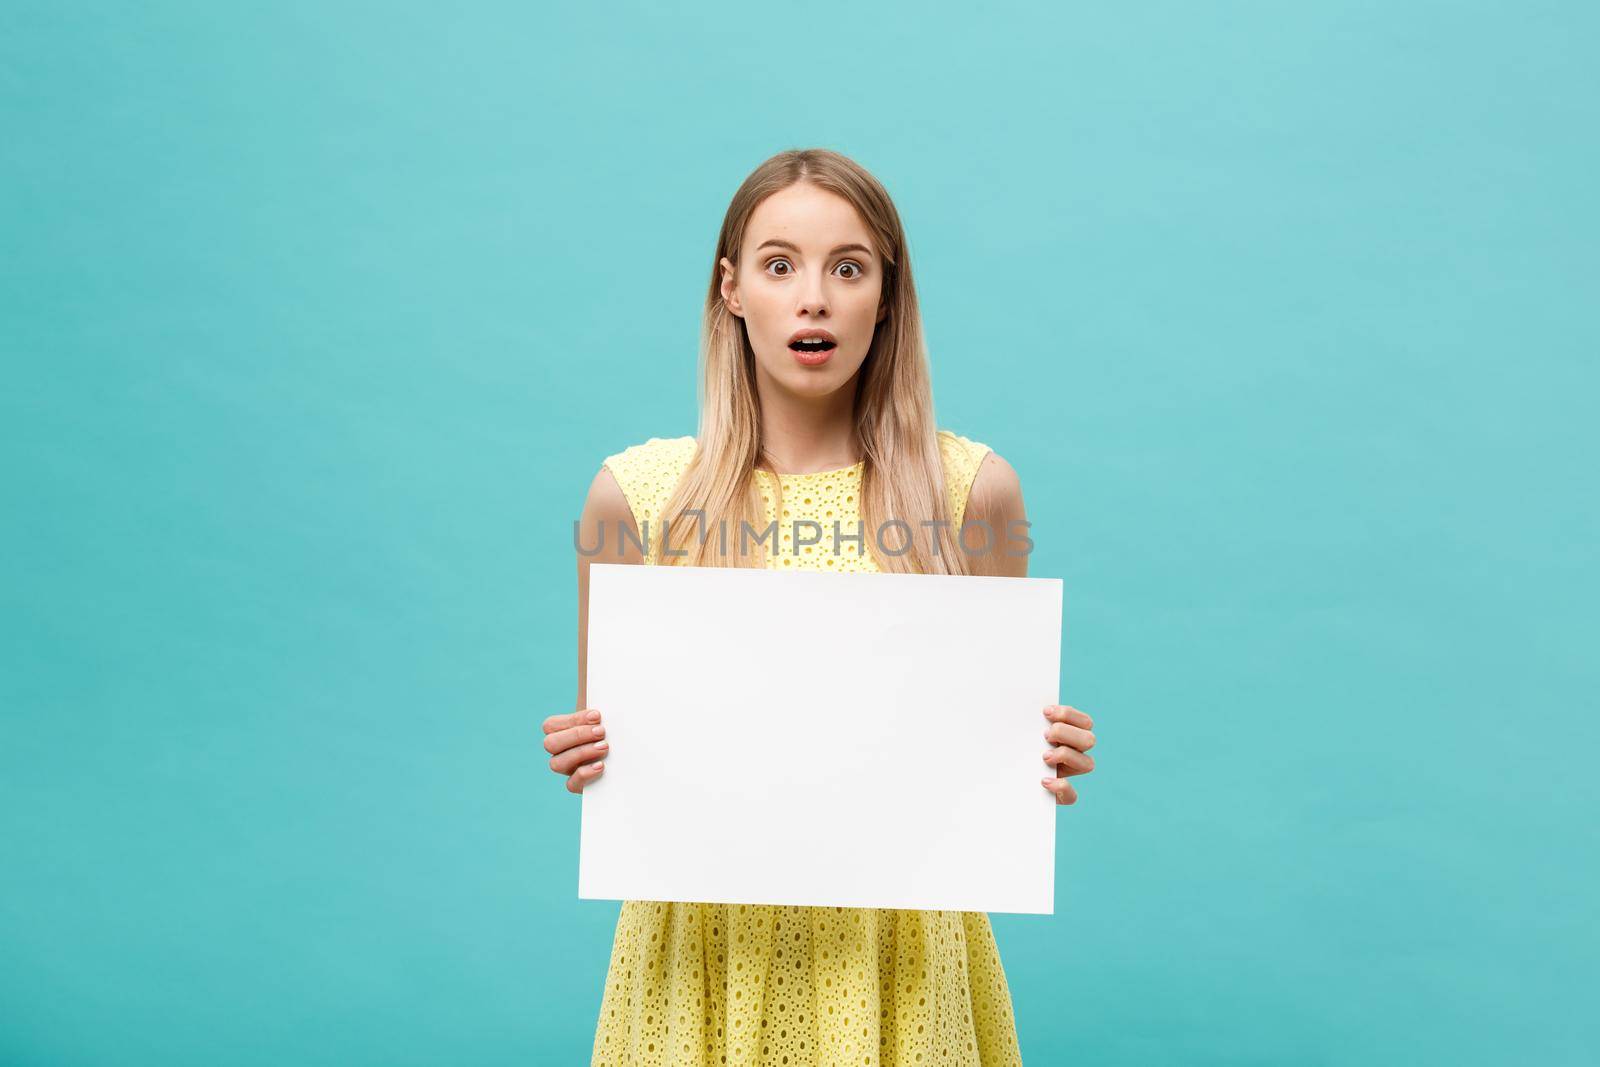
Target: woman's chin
810,381
817,382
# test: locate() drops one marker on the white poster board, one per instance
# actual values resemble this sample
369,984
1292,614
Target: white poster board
801,737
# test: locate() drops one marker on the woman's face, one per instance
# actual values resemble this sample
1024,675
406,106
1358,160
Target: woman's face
808,265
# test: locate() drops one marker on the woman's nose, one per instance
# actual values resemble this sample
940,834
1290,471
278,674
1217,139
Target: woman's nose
812,298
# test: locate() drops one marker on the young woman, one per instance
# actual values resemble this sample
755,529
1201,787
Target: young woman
815,408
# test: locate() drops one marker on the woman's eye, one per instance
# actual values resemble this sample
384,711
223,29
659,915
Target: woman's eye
853,266
775,262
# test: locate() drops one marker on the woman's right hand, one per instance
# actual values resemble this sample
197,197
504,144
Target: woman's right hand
573,740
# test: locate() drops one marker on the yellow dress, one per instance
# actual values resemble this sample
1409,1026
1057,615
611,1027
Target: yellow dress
751,985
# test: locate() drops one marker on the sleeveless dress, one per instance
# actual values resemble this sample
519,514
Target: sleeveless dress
751,985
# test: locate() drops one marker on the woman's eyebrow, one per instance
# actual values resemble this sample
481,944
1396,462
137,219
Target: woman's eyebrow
785,244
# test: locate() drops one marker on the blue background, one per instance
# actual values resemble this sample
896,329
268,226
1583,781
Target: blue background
319,318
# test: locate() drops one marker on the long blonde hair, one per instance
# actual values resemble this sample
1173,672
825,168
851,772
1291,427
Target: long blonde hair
902,476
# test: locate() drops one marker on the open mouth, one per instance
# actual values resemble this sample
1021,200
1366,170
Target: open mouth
812,345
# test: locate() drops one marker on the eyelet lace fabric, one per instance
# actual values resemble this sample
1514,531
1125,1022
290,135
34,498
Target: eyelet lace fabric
707,985
649,472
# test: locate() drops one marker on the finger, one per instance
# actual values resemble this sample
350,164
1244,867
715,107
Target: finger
570,719
1061,733
1062,788
568,761
562,740
1062,713
1070,760
583,776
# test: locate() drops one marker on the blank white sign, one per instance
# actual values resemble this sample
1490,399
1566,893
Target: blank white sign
842,740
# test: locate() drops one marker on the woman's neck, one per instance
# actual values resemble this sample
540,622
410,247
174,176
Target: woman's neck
803,435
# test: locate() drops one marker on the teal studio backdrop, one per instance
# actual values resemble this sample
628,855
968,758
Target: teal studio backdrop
318,319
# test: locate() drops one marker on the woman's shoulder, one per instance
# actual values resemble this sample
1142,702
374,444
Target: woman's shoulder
959,451
991,485
652,451
962,457
647,471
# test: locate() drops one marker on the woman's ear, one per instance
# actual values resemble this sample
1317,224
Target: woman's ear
730,292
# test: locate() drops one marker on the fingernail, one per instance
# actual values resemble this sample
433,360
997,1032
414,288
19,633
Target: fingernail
597,730
593,767
1044,781
602,744
593,716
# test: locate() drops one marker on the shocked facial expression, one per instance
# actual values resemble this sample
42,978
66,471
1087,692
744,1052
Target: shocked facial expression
808,286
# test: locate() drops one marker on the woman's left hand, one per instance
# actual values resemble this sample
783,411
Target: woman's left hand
1069,730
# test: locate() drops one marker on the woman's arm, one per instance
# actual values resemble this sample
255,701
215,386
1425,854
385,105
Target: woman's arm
605,513
576,740
996,499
